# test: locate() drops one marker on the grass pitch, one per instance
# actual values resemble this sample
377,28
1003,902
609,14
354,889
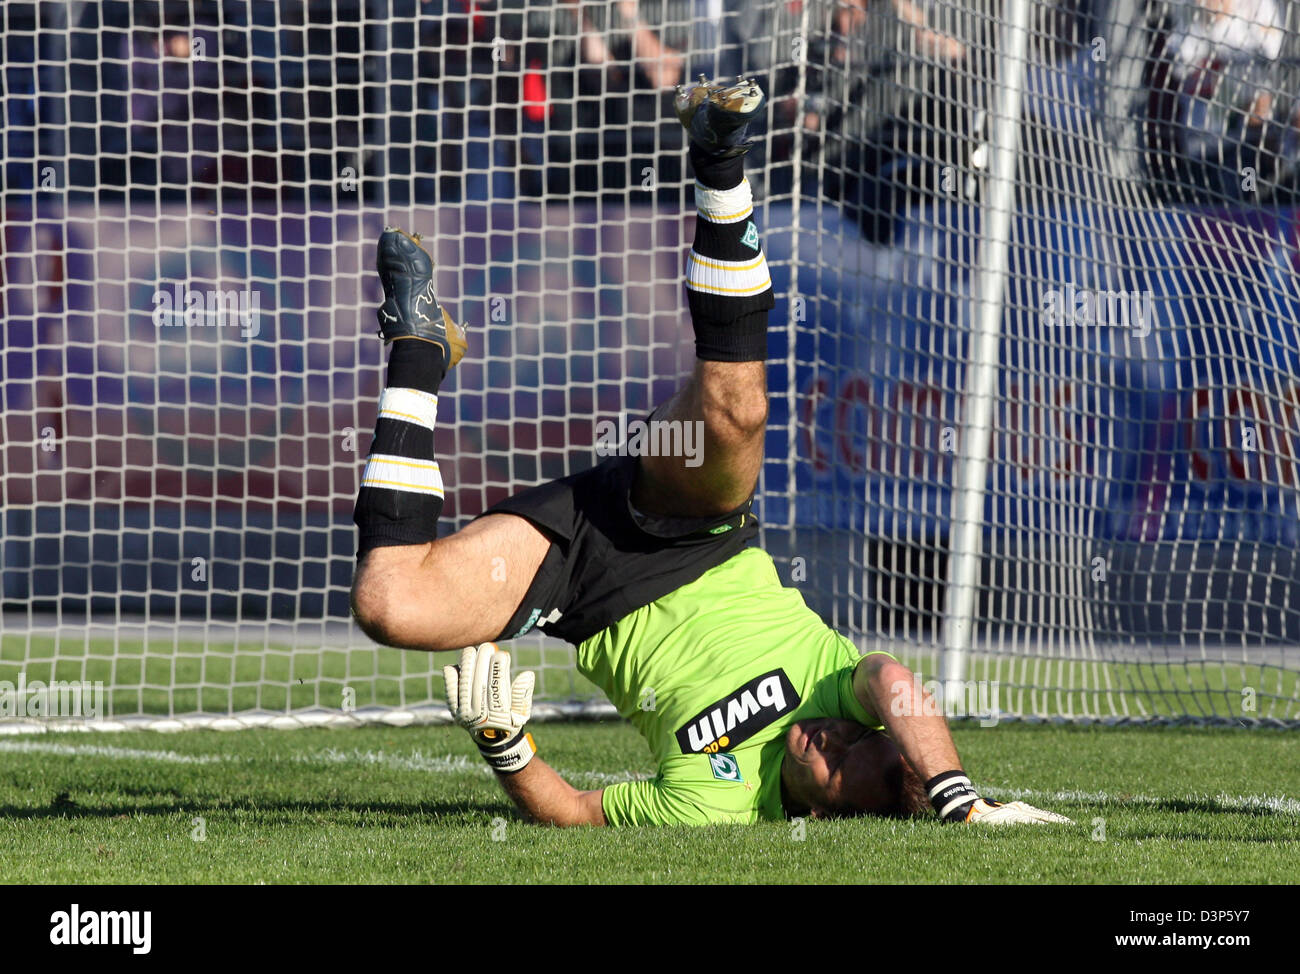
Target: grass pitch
416,805
223,675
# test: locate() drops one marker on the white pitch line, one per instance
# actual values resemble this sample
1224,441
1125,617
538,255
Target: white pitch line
418,761
101,751
413,761
445,764
1277,804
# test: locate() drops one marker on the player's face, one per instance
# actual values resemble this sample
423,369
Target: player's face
840,767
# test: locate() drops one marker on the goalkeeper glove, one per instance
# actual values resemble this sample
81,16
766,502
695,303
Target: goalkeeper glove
484,701
1012,813
956,800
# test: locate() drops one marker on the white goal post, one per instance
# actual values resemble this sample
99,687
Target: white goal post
1101,195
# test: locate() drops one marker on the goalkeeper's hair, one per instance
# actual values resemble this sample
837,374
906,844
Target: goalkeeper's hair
912,798
903,795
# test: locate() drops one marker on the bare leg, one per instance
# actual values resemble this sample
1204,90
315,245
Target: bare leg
453,592
411,588
729,400
413,591
729,291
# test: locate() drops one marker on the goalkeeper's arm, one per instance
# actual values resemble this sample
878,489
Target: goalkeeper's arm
544,797
881,684
493,708
885,688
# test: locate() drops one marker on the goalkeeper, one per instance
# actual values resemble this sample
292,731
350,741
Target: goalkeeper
752,706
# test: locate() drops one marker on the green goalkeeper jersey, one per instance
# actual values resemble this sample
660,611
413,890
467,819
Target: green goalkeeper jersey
713,675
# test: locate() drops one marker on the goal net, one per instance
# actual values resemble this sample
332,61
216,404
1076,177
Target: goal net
1082,215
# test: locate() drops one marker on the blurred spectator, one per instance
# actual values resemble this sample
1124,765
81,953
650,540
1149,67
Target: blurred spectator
144,99
1207,31
895,101
444,100
173,107
594,96
1212,107
661,66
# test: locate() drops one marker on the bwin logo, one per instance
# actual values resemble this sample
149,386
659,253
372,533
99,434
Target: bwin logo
739,715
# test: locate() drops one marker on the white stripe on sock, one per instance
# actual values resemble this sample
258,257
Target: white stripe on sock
724,205
735,277
409,405
402,473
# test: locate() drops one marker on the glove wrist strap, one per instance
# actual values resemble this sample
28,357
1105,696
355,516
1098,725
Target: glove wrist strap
952,795
506,755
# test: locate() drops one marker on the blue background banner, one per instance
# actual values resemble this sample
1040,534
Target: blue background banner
177,442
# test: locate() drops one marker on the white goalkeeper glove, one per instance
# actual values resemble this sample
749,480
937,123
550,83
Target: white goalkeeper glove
484,701
986,812
956,800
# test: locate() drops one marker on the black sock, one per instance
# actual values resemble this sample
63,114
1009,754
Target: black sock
400,498
717,173
728,287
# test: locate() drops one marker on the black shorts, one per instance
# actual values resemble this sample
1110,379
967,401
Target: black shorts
606,559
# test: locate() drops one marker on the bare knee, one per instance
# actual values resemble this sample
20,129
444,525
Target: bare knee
383,603
741,419
457,591
735,400
371,606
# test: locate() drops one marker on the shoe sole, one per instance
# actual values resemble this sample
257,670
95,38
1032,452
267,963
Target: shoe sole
741,97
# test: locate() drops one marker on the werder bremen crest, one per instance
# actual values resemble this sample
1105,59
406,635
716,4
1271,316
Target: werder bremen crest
725,767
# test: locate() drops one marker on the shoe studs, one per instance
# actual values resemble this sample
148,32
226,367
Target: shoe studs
389,228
